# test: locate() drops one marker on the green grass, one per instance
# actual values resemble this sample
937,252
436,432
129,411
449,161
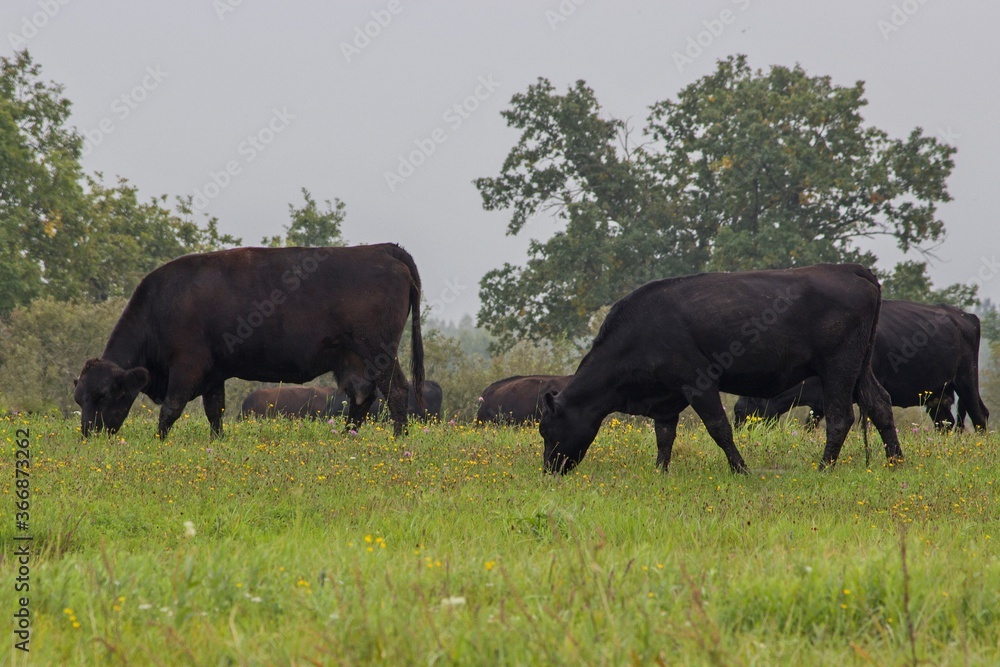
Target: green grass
449,546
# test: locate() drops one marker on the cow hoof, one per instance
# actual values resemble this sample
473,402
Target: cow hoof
827,465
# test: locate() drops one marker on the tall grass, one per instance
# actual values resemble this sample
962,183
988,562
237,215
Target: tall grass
297,543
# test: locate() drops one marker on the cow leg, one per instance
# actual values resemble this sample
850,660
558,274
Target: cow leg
358,411
967,388
170,412
355,378
708,405
214,401
938,407
666,433
180,390
875,401
839,412
395,388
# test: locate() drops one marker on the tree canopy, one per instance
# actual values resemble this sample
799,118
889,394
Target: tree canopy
39,176
66,234
312,226
745,169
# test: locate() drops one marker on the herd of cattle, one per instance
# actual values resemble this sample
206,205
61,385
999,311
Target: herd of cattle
819,336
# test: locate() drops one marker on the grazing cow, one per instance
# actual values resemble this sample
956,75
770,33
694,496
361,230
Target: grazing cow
267,314
300,402
924,355
680,341
518,399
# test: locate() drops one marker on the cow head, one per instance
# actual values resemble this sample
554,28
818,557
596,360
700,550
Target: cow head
567,434
105,392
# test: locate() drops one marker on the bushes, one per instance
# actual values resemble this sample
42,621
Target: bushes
42,348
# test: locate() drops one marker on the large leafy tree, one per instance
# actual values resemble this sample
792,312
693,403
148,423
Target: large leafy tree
116,238
39,176
745,169
778,169
618,230
65,234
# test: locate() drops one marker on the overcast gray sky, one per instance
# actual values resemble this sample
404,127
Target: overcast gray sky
331,96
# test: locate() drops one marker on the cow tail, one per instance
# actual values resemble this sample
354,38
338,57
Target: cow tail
862,385
416,339
864,437
417,347
867,376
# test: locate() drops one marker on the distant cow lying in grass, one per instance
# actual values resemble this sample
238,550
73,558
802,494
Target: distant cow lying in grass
300,402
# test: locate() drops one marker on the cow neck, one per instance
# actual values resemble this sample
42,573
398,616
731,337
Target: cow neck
590,394
125,346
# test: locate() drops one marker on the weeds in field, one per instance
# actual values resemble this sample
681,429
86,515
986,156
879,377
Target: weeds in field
296,542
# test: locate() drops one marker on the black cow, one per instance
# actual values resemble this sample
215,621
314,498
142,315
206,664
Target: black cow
518,399
293,401
680,341
300,402
924,355
267,314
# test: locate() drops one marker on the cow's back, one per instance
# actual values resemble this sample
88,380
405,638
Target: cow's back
764,330
233,310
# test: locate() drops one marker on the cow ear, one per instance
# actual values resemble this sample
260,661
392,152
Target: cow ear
76,381
549,401
136,379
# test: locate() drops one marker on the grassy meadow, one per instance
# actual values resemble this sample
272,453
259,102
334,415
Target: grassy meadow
294,543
